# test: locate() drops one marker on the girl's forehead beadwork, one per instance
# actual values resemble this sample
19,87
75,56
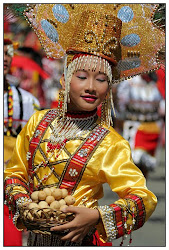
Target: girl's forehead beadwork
90,63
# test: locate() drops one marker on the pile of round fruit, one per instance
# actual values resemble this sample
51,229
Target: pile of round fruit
47,205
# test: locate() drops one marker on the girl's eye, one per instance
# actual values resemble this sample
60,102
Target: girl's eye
82,77
101,80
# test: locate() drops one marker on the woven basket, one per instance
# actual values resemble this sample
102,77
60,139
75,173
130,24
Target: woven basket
42,219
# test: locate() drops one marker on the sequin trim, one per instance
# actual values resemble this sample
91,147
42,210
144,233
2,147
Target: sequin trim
107,214
115,216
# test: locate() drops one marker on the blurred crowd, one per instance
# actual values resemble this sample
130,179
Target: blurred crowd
140,116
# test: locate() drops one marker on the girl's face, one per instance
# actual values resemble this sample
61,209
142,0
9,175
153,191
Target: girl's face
88,88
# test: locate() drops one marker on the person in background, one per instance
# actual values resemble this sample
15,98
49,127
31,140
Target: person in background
141,109
28,70
51,85
19,105
71,147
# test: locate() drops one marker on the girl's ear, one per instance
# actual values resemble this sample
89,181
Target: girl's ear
62,81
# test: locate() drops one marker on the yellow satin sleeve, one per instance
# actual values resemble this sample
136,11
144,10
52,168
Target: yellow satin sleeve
123,176
9,144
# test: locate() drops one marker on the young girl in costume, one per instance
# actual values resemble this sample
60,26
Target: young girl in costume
71,147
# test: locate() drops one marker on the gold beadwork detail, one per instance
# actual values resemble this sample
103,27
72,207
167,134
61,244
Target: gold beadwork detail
72,6
133,53
52,22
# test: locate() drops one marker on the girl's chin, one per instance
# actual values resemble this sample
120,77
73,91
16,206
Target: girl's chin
86,108
81,110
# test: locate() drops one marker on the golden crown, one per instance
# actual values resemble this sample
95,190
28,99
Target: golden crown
124,34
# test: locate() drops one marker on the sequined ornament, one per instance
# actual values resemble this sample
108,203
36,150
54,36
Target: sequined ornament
68,128
73,172
128,35
61,101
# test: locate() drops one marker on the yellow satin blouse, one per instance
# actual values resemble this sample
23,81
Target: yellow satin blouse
110,163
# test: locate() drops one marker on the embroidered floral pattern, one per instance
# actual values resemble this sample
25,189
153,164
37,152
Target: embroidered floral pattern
83,152
73,172
37,133
28,155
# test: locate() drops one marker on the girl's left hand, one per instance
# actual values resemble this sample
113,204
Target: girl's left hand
84,219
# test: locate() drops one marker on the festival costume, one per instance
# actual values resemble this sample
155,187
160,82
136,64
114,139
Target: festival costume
79,151
83,178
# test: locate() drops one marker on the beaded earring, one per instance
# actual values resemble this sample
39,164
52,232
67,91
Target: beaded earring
104,111
61,101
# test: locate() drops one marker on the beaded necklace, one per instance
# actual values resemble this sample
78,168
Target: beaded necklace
73,126
10,110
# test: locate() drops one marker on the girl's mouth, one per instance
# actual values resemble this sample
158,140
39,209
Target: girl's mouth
89,98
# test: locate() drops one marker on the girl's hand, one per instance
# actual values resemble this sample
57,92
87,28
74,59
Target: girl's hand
84,219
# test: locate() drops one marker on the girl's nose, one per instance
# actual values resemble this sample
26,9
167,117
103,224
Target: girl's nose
91,85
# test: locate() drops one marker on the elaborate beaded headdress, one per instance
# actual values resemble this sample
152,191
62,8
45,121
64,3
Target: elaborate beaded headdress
123,34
